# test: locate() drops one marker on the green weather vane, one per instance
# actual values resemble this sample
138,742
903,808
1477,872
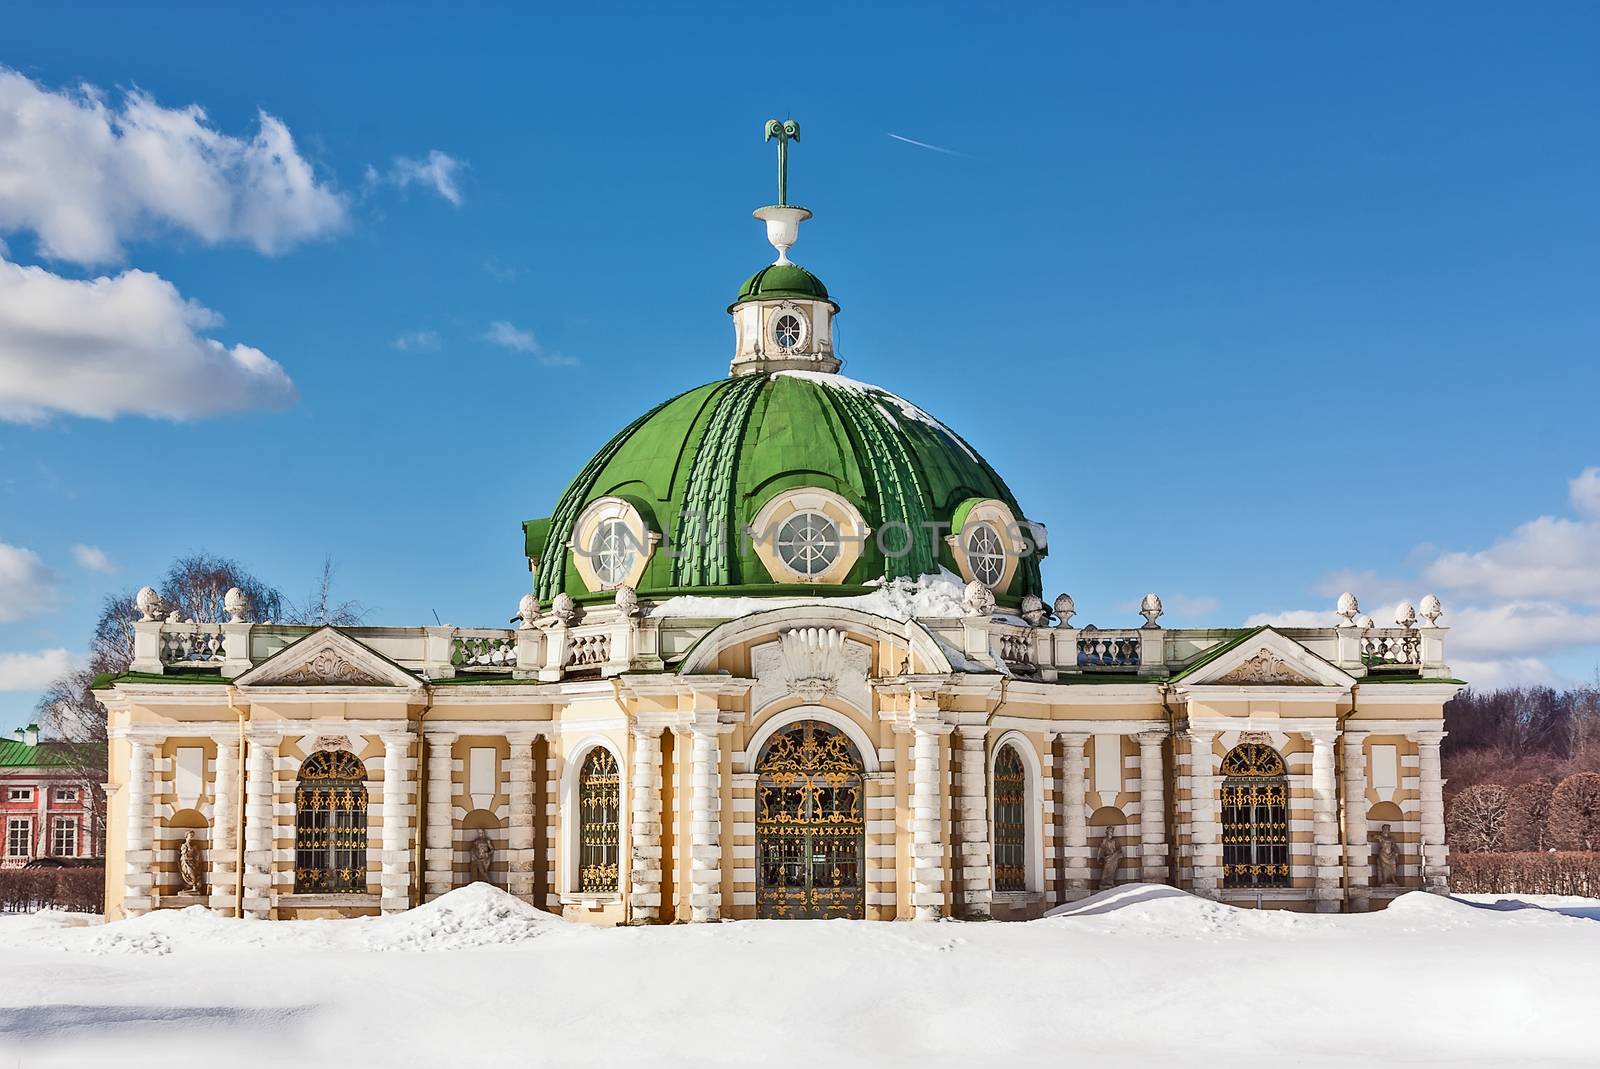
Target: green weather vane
785,132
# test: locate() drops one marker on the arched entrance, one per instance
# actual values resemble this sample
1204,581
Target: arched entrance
810,825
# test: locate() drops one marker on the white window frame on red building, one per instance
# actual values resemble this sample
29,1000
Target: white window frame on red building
26,826
57,826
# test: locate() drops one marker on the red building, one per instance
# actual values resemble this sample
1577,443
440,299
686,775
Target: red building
47,804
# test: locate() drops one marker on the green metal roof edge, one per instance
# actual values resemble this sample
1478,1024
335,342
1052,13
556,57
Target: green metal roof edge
330,627
1387,680
107,679
1217,651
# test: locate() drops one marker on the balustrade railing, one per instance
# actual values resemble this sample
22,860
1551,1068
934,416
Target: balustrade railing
191,645
1108,649
585,651
1391,646
483,651
1017,651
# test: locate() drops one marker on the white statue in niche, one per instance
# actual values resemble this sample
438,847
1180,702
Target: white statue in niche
189,865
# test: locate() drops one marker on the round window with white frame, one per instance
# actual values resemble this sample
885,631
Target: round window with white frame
987,548
808,535
611,544
808,543
788,329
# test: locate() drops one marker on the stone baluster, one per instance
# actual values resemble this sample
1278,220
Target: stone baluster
927,839
1435,854
521,857
644,896
438,863
705,822
224,850
1205,828
398,790
260,825
1074,816
1152,808
138,888
1325,859
973,853
1359,861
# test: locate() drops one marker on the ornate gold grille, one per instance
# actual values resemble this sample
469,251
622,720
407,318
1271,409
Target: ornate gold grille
599,801
1255,818
330,834
1010,822
810,827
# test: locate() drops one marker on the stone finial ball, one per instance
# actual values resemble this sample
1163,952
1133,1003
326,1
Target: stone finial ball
148,602
628,600
978,599
236,605
1432,609
1348,606
1065,608
1405,614
1033,610
527,611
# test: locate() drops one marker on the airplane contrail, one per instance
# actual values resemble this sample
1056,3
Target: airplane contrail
924,144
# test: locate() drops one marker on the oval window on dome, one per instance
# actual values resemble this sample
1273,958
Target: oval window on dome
808,543
788,331
613,549
986,554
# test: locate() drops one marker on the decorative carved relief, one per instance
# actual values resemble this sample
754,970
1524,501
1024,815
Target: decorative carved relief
813,663
1265,667
327,667
333,742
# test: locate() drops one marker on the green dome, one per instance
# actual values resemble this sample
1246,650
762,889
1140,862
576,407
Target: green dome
776,281
700,467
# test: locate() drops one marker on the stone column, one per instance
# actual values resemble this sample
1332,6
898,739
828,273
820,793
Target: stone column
438,862
927,840
1074,817
395,882
1205,828
520,854
1435,854
705,822
1325,859
973,849
260,824
644,890
224,851
138,866
1152,808
1359,856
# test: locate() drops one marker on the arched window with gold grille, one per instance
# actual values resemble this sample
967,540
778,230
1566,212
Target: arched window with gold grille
330,829
599,804
1255,818
1010,821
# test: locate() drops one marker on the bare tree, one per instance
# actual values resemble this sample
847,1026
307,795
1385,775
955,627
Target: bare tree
196,585
1575,812
1477,819
1528,816
319,608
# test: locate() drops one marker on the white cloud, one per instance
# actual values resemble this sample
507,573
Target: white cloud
1292,618
1548,557
94,559
510,336
86,176
437,172
33,671
419,341
27,587
1521,627
108,346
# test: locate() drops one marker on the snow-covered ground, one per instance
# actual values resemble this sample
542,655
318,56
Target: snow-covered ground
1136,976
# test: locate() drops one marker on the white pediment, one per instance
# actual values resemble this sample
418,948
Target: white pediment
328,658
811,663
1268,659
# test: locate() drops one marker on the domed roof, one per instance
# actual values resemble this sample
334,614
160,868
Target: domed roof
782,280
700,467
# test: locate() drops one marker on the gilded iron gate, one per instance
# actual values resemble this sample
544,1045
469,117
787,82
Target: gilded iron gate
810,825
1255,818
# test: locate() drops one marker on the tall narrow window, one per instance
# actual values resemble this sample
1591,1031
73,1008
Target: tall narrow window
64,837
330,840
19,837
1255,818
1010,821
599,802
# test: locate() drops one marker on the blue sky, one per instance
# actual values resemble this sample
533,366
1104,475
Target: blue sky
1249,303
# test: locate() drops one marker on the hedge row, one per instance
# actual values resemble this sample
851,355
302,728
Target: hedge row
77,890
1552,873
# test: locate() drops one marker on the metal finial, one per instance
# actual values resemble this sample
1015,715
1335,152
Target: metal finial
786,131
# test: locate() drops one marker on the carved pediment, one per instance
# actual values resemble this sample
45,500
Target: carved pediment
1264,666
811,663
328,658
